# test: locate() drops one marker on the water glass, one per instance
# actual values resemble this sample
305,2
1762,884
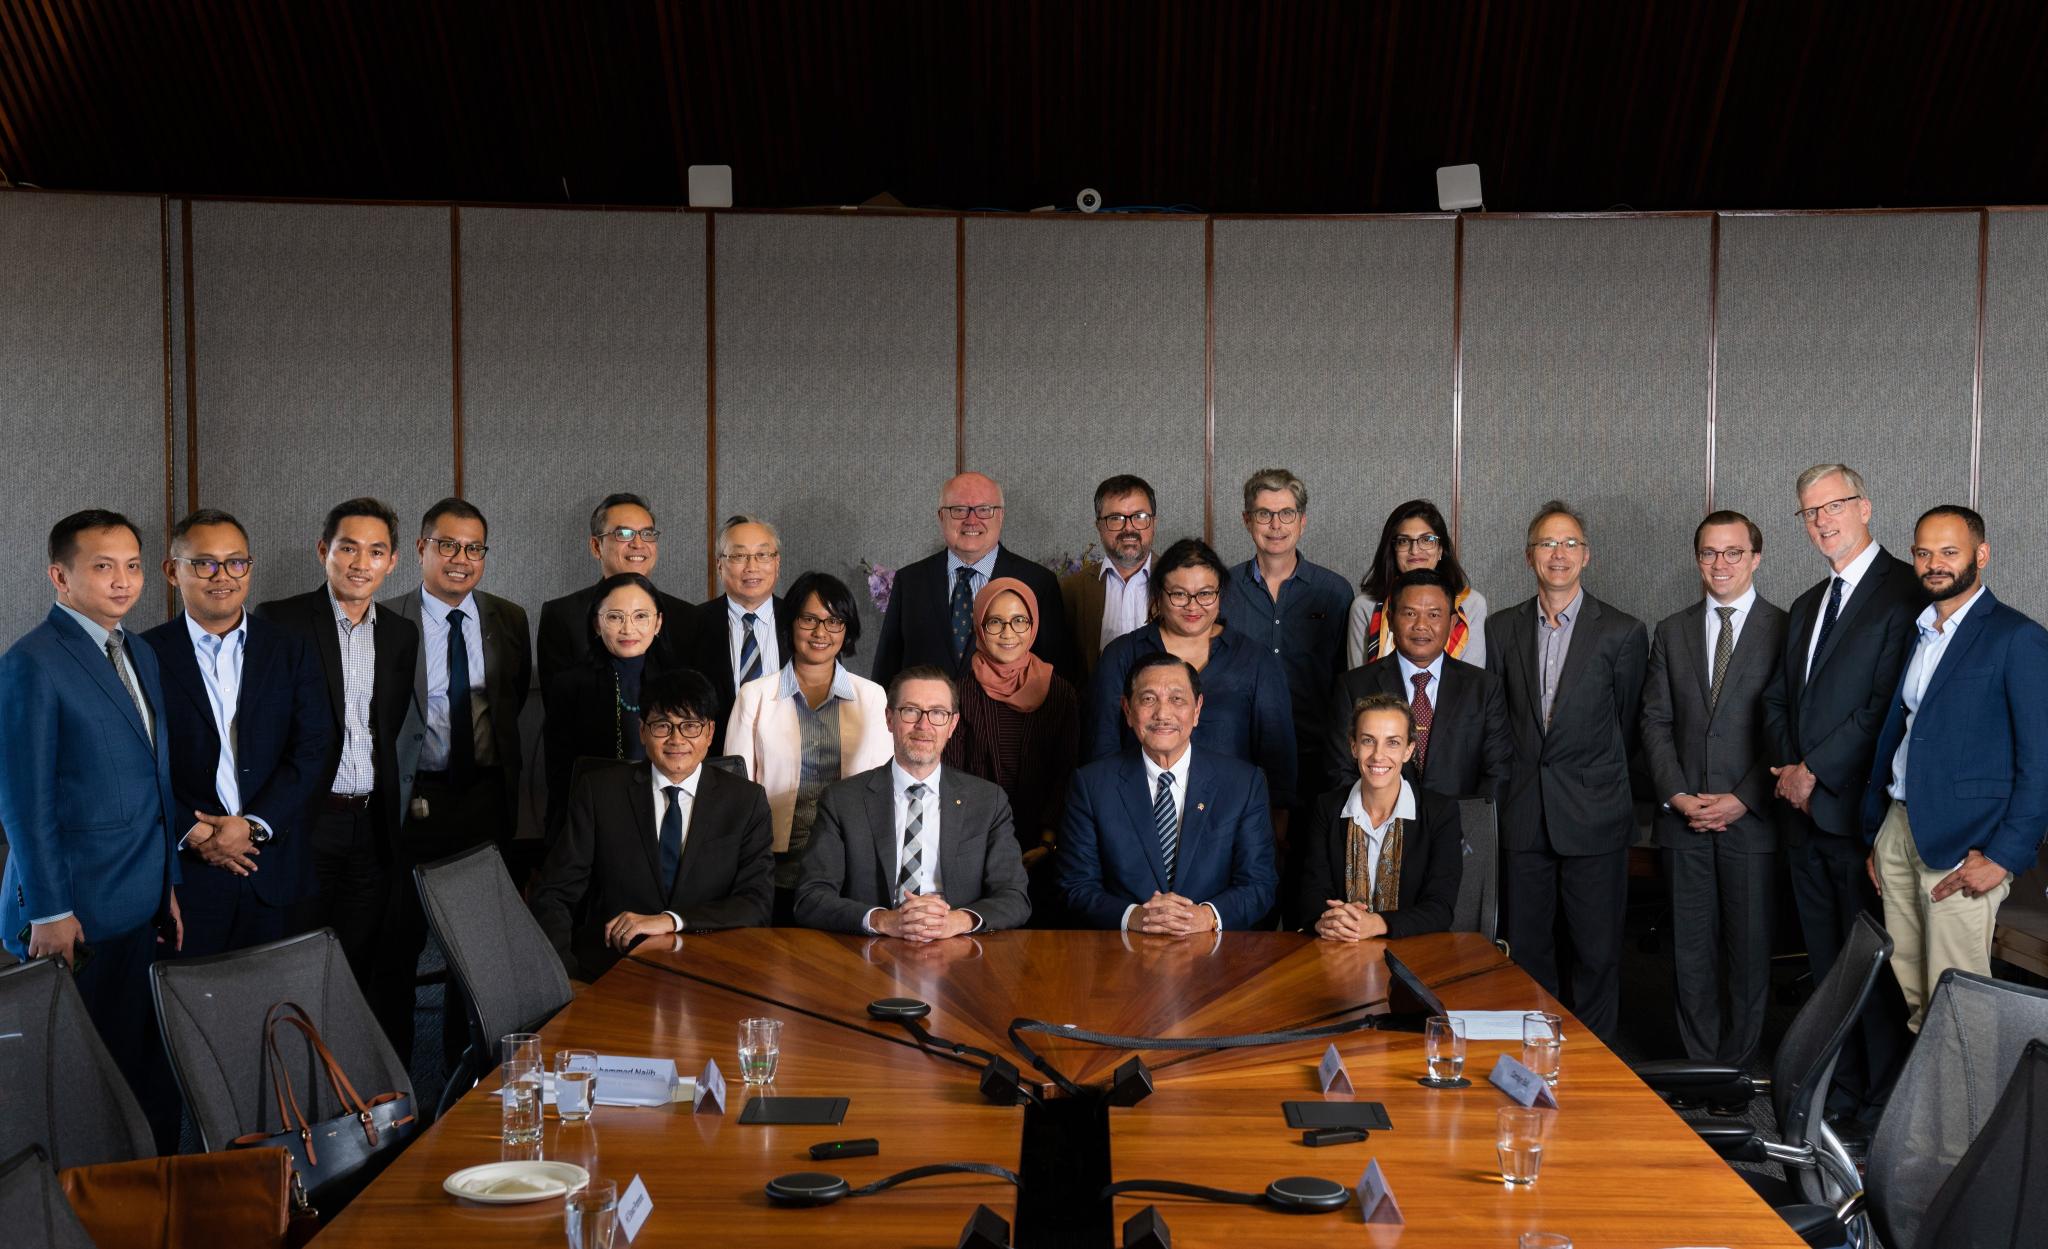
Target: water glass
1444,1048
575,1084
760,1049
1519,1143
591,1214
1545,1240
516,1047
1542,1044
520,1111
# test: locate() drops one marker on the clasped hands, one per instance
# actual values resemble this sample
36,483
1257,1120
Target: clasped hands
1709,813
1170,915
1795,785
1349,921
922,917
224,841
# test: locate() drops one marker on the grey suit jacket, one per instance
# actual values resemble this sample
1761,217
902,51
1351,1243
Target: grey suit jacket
850,864
508,677
1691,748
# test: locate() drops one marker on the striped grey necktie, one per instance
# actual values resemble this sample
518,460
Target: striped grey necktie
912,856
1168,823
115,643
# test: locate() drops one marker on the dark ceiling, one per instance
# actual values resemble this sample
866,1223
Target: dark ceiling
1313,106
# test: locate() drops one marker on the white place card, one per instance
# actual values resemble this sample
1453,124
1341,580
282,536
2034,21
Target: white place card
710,1096
628,1081
1335,1079
634,1207
1522,1084
1376,1196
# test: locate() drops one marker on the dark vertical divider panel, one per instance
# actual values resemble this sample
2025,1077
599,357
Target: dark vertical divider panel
2015,445
1846,340
583,374
835,387
323,371
1333,359
81,382
1586,379
1084,358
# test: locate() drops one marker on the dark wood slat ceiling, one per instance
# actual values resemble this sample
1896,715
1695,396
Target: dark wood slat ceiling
1310,106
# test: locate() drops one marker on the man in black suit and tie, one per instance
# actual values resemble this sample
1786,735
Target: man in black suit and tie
1572,669
1462,746
475,668
622,539
914,849
368,656
655,847
245,712
1709,761
930,605
744,627
1846,641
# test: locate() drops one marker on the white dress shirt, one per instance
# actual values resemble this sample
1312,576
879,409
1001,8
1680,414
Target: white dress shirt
1408,671
1376,834
220,671
927,880
356,774
1125,601
764,636
686,804
1851,577
434,751
1927,652
1742,606
1180,808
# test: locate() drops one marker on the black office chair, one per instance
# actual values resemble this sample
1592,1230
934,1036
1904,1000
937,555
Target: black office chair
65,1095
1478,906
32,1205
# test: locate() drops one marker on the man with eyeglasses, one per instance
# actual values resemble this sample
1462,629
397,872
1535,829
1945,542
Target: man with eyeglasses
249,730
1846,641
469,686
623,538
654,847
1709,762
914,849
743,626
1110,599
369,656
931,606
1572,669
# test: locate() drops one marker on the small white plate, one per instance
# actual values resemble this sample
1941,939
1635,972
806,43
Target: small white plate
508,1183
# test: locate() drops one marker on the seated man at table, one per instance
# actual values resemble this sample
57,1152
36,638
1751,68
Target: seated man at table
1166,838
890,846
654,847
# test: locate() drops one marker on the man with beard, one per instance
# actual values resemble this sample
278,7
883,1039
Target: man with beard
1108,600
1958,795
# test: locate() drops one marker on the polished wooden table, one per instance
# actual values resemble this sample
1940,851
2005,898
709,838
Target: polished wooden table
1620,1169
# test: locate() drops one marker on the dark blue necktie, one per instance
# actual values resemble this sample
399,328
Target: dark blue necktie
1168,823
461,724
750,650
671,838
963,611
1827,620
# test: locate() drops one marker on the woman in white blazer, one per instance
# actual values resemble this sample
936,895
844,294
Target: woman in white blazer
810,724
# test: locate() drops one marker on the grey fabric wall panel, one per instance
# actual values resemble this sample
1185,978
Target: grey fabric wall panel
1586,365
1333,359
2015,442
583,374
1084,358
81,382
1846,340
835,387
324,345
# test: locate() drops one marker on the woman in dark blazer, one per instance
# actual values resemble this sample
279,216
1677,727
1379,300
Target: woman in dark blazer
593,707
1381,858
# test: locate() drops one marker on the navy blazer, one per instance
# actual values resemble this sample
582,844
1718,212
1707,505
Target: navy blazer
1110,857
84,797
281,734
1977,775
915,628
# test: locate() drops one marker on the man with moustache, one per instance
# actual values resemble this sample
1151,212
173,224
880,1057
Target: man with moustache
1847,640
1462,747
246,714
1167,839
931,607
914,849
1703,736
1572,668
1958,795
623,538
1109,600
743,627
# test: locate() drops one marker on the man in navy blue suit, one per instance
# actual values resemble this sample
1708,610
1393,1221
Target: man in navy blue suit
247,720
1958,796
1167,839
85,797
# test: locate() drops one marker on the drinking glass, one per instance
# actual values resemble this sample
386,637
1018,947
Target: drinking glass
1444,1042
591,1214
760,1049
1546,1240
520,1112
575,1084
519,1047
1542,1044
1519,1143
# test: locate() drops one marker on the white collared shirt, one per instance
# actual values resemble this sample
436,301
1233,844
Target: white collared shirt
764,636
1850,577
1375,835
220,671
435,750
1125,601
1743,604
356,774
901,803
1408,671
1180,809
1931,645
687,804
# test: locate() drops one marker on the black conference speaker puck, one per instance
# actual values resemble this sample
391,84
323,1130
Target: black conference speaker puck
898,1008
1306,1194
806,1188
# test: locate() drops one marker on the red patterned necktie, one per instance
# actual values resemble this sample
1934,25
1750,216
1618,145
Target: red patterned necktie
1424,713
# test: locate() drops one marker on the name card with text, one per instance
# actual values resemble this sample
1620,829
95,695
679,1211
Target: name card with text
1376,1196
634,1207
1522,1084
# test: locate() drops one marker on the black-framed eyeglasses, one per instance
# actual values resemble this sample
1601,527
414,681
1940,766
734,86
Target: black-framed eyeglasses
811,623
1266,515
996,626
205,569
1426,541
937,717
1565,544
980,511
1181,598
624,534
1125,520
1708,556
449,548
690,730
1832,507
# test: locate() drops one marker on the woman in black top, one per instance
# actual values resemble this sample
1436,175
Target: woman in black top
593,707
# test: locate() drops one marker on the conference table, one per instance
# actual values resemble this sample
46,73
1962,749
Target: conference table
1620,1168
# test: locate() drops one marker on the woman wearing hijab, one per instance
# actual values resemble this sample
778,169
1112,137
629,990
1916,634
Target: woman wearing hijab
593,707
1019,721
1415,536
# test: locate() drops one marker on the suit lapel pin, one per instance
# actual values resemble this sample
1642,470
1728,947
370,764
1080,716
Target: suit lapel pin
1201,806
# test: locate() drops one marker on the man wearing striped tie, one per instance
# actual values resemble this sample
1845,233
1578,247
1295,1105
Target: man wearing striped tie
914,849
755,617
1167,839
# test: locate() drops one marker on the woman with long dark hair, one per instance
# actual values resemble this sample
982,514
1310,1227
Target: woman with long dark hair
593,707
1415,536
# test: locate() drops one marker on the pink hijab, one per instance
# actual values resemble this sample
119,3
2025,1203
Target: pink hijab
1025,683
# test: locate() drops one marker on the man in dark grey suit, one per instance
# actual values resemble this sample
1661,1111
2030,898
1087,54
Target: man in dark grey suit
1572,668
1709,760
1461,715
913,849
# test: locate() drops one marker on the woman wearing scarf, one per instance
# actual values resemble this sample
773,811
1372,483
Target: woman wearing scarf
1018,728
1415,536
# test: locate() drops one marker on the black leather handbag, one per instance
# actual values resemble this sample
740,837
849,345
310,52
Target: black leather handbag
334,1158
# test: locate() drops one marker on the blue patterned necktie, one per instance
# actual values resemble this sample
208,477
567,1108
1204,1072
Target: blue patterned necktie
1168,823
750,650
671,838
461,724
1827,620
963,611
